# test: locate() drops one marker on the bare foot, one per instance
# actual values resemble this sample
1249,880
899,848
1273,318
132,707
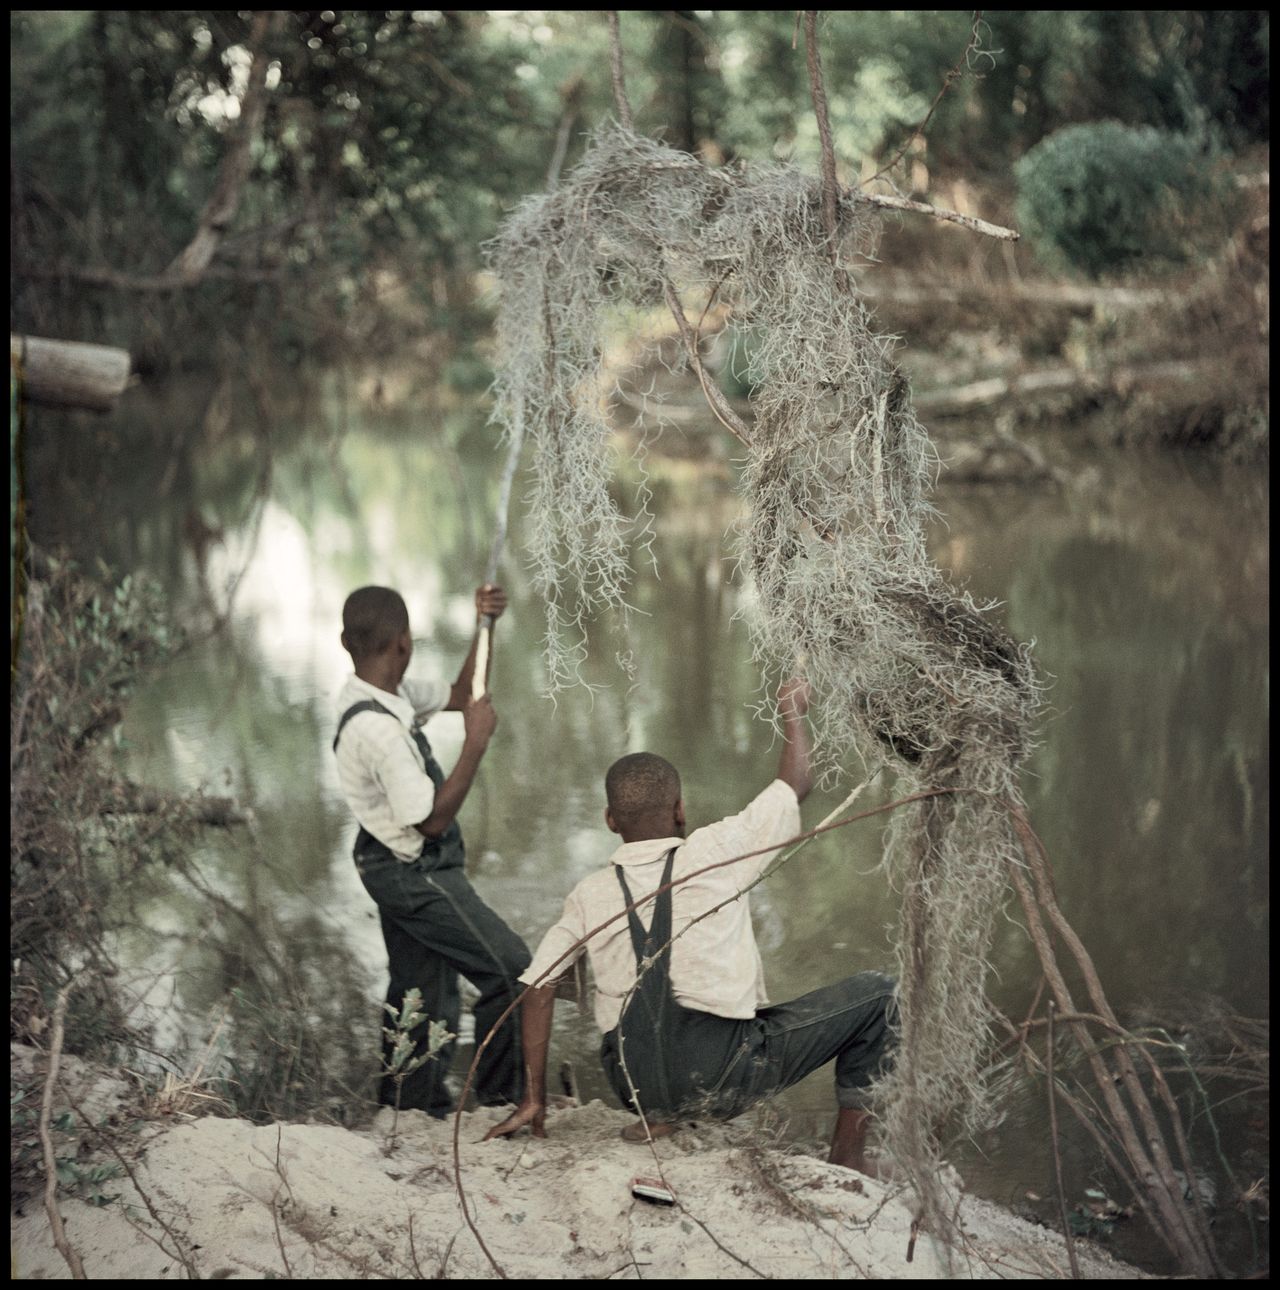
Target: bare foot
636,1132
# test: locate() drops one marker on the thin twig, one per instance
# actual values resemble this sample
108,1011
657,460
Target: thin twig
46,1138
1186,1233
444,1258
723,412
764,1276
951,77
275,1216
413,1250
105,1139
1057,1157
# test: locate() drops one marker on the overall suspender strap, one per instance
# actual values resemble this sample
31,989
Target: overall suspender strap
365,705
659,926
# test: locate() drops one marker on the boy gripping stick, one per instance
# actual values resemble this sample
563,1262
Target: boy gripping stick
693,1034
409,850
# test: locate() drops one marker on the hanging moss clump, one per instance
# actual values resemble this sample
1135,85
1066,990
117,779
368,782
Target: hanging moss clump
836,482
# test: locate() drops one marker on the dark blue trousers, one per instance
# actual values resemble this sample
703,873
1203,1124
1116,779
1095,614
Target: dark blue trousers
436,927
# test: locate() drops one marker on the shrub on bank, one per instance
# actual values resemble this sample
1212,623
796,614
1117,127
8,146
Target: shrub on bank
1104,197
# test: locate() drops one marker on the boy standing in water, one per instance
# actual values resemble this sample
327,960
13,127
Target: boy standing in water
409,850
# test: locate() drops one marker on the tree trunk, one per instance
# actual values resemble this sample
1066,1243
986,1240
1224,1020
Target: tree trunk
190,264
69,374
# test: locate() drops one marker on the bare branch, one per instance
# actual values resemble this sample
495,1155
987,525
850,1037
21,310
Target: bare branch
46,1139
615,66
951,77
938,212
830,188
719,405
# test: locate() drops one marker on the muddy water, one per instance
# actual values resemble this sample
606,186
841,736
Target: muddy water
1144,587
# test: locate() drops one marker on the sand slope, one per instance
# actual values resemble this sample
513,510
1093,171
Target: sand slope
317,1201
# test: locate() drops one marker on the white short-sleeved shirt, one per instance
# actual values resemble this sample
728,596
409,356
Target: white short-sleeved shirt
380,770
715,967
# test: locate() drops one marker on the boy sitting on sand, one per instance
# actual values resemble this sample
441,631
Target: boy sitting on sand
693,1034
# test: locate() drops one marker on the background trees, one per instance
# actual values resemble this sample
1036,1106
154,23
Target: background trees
391,142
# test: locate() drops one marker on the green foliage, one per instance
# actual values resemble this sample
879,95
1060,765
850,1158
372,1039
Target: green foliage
393,141
404,1021
402,1062
86,1179
1101,198
84,647
374,169
75,1173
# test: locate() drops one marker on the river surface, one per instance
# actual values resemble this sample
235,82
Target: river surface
1143,586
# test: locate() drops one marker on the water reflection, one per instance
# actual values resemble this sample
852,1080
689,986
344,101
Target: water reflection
1144,589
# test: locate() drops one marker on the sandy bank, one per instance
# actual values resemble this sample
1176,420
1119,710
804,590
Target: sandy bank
318,1201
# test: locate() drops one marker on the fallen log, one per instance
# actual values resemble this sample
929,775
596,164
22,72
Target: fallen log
1118,382
1063,295
69,374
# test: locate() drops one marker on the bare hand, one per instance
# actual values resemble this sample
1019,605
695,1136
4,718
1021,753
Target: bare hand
491,600
533,1114
479,720
793,697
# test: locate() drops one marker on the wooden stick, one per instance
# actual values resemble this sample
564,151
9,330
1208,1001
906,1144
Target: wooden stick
939,212
480,673
66,373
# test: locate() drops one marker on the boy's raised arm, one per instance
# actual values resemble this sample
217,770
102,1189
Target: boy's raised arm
793,765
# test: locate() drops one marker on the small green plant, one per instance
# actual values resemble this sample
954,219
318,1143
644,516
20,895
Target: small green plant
87,1179
1104,196
26,1162
401,1062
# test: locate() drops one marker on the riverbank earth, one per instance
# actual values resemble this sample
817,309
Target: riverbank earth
240,1200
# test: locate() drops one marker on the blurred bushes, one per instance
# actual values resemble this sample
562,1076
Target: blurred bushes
1104,197
73,842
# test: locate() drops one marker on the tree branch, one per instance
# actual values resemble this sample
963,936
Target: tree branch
939,212
615,66
719,405
46,1139
190,263
951,77
830,187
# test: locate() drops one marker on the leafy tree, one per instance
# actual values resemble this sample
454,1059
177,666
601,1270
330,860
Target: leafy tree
392,142
376,155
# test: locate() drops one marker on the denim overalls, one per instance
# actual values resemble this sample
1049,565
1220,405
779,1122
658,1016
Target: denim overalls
436,926
681,1063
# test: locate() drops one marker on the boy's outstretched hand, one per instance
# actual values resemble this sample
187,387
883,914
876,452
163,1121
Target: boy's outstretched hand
491,600
534,1114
